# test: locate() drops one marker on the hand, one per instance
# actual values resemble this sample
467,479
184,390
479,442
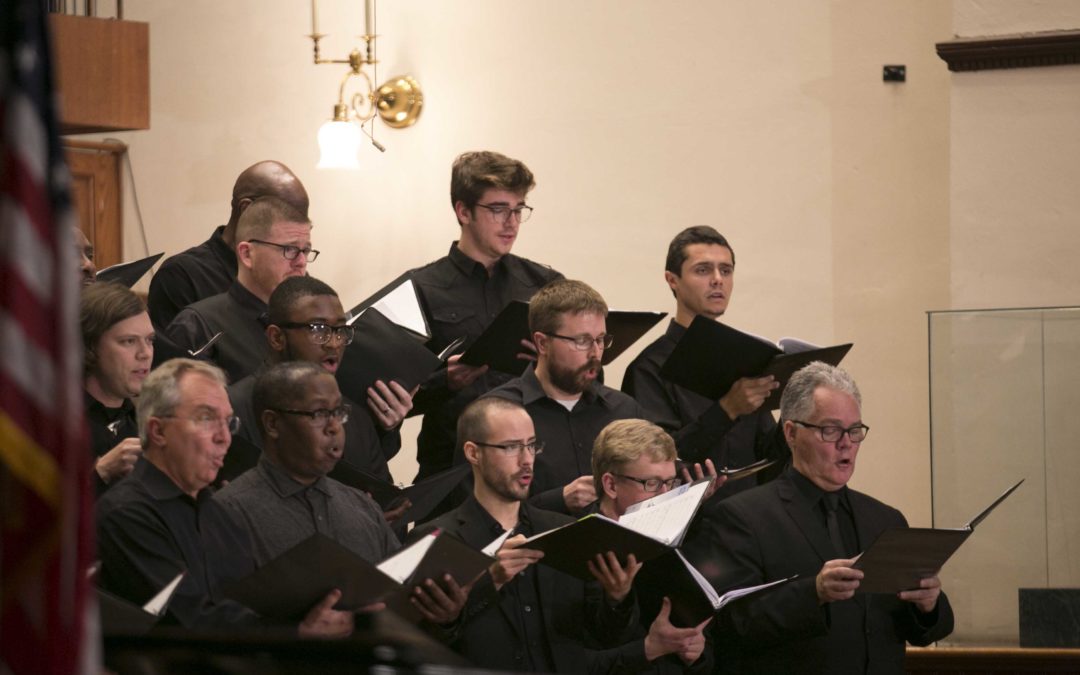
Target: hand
528,350
511,560
389,403
699,473
118,462
747,395
664,638
615,578
926,596
837,580
579,493
460,375
440,602
398,511
326,622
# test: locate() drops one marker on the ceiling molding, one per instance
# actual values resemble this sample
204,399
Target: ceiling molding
1024,50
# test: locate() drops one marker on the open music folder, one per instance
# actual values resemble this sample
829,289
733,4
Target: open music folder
711,356
648,529
128,273
399,301
901,556
120,617
382,350
425,494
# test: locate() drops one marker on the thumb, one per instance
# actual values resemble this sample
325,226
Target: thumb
701,626
329,601
665,609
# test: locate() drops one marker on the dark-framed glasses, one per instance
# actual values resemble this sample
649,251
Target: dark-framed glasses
583,342
502,212
208,422
515,449
831,433
322,416
652,484
289,251
321,333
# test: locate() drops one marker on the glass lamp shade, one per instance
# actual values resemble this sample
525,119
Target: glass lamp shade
339,145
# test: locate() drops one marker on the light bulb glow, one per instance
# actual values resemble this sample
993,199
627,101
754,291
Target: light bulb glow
339,145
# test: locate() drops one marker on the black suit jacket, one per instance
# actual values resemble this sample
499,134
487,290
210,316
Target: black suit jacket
774,531
576,617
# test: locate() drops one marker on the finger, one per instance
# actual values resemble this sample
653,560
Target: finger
701,626
329,601
665,609
710,468
437,595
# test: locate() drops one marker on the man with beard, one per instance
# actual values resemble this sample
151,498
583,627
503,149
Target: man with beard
562,395
273,243
307,323
84,251
528,617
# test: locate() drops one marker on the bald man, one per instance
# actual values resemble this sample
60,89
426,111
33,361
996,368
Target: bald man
210,268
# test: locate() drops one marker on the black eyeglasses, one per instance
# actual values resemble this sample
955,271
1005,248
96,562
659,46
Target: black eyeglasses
208,422
831,433
652,484
502,212
320,417
321,333
583,342
515,449
289,251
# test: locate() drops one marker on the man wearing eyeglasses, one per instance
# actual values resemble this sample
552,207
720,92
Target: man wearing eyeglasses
162,520
524,616
735,430
210,268
466,289
307,323
562,395
808,522
273,243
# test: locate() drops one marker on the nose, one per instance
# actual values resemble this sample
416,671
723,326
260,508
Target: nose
145,351
596,346
844,442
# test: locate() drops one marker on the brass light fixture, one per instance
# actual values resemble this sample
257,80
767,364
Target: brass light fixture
397,103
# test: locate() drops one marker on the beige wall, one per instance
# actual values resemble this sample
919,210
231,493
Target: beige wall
768,120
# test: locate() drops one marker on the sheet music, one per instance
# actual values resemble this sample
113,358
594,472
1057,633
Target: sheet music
665,516
158,603
710,592
401,306
494,546
740,592
400,565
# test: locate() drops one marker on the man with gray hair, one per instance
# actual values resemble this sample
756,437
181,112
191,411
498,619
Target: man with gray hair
162,520
807,522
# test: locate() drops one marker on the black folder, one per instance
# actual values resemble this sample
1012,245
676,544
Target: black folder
710,357
901,556
120,617
499,345
425,495
731,474
400,290
382,350
128,273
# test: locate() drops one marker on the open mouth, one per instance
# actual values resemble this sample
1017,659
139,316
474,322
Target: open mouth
330,363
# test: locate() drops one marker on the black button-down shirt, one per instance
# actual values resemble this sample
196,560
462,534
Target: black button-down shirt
108,426
236,313
568,435
187,277
149,531
700,427
280,512
462,299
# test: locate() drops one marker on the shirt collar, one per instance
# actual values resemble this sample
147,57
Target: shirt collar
811,492
221,249
284,484
532,390
160,486
470,267
97,409
675,331
246,299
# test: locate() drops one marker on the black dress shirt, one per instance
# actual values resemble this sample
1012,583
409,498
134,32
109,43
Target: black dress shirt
700,427
149,531
236,313
461,299
108,426
568,435
279,513
367,447
190,276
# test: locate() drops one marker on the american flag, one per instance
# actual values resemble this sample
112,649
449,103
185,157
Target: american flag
46,509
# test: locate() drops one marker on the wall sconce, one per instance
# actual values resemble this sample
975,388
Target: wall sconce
397,103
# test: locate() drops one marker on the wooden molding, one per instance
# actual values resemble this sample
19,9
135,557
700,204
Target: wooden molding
1025,50
990,660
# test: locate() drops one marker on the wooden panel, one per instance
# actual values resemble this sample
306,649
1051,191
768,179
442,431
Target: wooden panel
991,660
103,73
1028,50
95,170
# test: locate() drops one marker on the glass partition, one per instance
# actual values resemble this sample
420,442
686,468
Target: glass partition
1005,405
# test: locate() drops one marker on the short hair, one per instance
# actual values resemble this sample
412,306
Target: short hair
698,234
473,424
559,297
797,401
475,172
624,441
160,394
276,387
292,290
257,220
103,305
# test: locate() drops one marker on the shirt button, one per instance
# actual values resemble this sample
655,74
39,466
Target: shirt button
528,608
